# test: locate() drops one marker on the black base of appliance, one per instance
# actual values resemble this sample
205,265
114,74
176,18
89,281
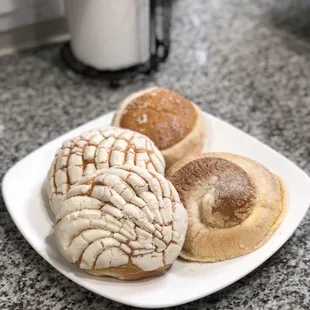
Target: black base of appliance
113,77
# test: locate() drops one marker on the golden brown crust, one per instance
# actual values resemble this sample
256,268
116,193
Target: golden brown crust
163,115
191,145
224,228
175,124
127,272
233,193
180,163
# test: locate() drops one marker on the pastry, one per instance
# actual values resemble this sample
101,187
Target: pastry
175,124
98,149
234,204
124,222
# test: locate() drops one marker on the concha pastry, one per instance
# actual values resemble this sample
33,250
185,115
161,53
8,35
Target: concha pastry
234,205
125,222
175,124
98,149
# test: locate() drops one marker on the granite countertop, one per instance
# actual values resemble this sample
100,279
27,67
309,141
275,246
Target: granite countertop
245,61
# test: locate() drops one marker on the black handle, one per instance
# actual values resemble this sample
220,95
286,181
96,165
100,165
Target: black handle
160,24
163,44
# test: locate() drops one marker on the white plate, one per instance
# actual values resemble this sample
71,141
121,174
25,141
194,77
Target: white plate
26,202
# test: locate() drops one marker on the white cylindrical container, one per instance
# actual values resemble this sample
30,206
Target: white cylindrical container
109,34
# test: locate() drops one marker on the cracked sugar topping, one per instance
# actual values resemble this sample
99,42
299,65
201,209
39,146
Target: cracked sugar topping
161,114
122,215
99,149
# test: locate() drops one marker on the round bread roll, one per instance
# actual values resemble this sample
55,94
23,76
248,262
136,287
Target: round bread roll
99,149
124,222
175,124
234,205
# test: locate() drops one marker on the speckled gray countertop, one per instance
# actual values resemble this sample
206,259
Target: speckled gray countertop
245,61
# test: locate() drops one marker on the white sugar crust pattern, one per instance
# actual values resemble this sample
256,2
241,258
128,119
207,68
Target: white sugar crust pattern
99,149
126,217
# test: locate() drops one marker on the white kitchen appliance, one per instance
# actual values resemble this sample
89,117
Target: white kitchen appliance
114,37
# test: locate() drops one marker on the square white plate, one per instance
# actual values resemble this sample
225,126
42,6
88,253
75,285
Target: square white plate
24,196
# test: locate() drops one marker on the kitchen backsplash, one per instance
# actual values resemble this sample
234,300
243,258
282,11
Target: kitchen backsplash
27,23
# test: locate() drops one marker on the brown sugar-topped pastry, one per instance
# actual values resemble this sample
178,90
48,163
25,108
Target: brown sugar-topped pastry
175,124
99,149
125,222
234,204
